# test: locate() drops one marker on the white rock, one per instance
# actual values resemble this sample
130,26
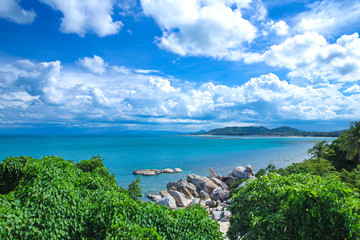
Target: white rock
168,170
168,201
212,173
240,172
177,170
216,215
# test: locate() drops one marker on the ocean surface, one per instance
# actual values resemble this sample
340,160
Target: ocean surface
193,154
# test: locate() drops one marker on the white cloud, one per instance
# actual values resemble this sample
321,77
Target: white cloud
353,89
95,64
281,28
45,92
12,11
200,28
310,58
81,17
329,17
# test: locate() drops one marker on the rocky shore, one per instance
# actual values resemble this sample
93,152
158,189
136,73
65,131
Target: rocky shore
212,192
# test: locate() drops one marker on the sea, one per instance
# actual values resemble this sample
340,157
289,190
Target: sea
193,154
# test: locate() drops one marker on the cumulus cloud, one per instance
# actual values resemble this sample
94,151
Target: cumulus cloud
310,57
12,11
281,28
45,92
95,64
200,28
81,17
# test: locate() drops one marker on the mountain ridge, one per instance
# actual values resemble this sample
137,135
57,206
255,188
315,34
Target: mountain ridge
263,131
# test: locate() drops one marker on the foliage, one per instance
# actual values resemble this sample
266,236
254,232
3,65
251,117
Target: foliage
295,207
260,173
351,141
11,171
91,164
57,199
351,178
320,149
338,158
318,166
134,189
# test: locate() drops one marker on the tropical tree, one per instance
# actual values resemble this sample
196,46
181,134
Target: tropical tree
351,141
319,150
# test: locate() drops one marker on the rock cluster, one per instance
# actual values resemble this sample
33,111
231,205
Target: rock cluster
210,192
152,172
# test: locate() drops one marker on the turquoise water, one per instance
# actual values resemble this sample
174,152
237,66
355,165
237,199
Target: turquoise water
193,154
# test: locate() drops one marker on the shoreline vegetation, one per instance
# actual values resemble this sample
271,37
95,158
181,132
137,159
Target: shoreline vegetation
263,131
319,198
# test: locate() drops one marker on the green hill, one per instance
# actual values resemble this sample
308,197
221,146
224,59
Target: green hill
263,131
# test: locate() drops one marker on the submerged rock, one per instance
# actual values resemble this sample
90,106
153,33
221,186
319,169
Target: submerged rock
152,172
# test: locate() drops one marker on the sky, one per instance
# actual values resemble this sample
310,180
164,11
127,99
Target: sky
109,66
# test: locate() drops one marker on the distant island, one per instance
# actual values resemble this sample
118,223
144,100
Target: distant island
263,131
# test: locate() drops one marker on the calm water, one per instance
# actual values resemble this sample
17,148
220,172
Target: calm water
193,154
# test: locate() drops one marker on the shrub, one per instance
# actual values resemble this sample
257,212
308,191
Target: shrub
56,199
316,166
11,171
91,164
295,207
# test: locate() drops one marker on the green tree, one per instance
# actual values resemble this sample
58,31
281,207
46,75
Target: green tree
319,150
351,141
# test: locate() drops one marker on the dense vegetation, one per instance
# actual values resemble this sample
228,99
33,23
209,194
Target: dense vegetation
263,131
314,199
51,198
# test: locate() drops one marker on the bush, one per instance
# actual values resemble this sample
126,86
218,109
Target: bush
56,199
11,171
316,166
295,207
351,178
91,164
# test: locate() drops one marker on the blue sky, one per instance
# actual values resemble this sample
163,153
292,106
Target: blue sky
174,65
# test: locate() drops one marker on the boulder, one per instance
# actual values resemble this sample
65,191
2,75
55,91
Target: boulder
182,184
156,197
168,201
225,215
194,179
207,185
193,202
168,170
212,173
171,186
201,183
202,203
216,215
186,193
180,200
177,170
211,203
241,173
230,179
204,196
250,170
220,184
219,194
163,193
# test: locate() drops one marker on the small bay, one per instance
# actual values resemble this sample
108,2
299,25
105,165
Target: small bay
193,154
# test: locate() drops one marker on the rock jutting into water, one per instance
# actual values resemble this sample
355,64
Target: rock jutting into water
152,172
210,192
